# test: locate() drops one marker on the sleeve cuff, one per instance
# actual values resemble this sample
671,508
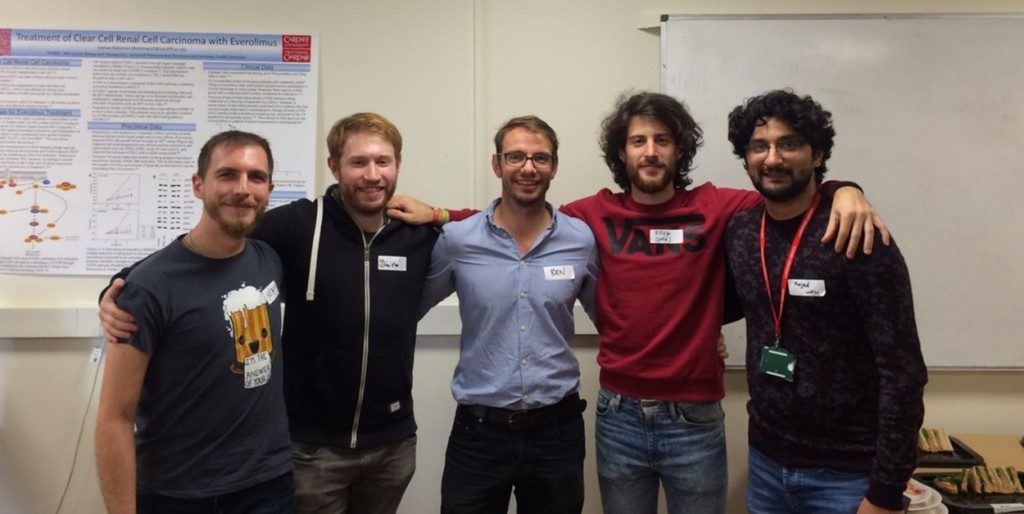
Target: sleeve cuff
886,496
829,187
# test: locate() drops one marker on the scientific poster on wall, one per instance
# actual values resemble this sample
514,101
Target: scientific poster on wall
100,130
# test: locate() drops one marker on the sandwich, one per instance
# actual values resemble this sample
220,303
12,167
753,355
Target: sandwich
985,480
933,440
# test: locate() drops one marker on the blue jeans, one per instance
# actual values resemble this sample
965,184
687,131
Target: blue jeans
274,496
486,461
773,488
341,480
643,442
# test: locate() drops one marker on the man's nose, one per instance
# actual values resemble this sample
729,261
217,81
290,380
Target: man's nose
528,166
772,158
372,173
649,148
242,185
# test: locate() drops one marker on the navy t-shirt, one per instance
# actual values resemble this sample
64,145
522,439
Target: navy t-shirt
211,417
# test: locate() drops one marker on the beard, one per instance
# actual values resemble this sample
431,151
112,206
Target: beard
349,197
649,185
235,227
798,182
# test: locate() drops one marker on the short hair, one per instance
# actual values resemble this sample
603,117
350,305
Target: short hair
670,112
233,138
806,116
531,124
363,122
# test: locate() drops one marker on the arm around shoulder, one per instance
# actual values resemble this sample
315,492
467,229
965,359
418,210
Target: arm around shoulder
440,280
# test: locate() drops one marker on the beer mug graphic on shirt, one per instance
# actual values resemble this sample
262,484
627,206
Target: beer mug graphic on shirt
246,310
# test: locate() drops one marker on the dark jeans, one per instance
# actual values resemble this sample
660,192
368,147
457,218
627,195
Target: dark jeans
275,496
486,461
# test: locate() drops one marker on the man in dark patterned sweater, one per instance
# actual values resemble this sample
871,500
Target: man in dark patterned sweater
833,358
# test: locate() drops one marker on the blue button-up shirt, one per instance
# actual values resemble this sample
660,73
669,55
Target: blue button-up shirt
517,311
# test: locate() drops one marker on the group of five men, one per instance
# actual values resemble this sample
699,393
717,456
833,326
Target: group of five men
199,371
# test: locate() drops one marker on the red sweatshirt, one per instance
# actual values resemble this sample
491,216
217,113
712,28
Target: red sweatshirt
660,306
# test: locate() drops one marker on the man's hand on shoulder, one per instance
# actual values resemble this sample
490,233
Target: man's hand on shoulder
117,324
410,210
853,219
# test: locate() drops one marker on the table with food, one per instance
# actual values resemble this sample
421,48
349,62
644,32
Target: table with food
967,473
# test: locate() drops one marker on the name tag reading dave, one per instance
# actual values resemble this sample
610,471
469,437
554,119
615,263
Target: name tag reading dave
806,287
391,263
666,236
559,273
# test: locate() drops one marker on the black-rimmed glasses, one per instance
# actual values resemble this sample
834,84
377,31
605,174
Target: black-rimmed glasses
517,159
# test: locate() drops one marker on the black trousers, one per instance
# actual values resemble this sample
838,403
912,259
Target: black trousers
486,461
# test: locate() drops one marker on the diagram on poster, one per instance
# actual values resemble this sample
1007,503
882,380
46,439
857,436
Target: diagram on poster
36,206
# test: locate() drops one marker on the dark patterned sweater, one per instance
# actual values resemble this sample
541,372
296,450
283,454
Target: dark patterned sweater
855,403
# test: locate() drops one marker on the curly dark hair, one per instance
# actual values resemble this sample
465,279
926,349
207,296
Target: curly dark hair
807,117
667,110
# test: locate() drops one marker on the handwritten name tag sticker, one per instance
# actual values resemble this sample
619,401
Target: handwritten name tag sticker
559,273
806,287
391,263
666,236
270,292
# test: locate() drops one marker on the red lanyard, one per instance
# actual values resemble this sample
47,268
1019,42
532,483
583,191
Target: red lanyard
777,315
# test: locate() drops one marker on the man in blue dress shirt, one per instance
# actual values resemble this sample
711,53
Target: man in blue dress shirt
518,268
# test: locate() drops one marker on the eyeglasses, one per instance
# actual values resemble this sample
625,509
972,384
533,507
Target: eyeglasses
517,159
788,147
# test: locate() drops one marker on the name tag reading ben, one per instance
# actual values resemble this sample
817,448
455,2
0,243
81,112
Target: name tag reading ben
559,273
666,236
391,263
806,287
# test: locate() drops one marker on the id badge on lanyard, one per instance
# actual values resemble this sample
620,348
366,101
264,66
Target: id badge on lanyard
775,360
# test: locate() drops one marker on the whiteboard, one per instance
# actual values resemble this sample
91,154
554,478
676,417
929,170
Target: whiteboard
929,116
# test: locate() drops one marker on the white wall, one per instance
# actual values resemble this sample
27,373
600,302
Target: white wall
448,73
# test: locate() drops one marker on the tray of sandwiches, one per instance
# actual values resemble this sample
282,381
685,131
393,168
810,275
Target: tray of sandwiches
978,489
937,449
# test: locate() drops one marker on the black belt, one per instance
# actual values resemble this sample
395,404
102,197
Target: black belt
528,419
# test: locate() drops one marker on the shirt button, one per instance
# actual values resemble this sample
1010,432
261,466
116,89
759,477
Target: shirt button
524,362
522,327
522,294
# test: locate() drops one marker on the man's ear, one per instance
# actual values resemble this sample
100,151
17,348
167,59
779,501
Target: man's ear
496,165
335,167
197,186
